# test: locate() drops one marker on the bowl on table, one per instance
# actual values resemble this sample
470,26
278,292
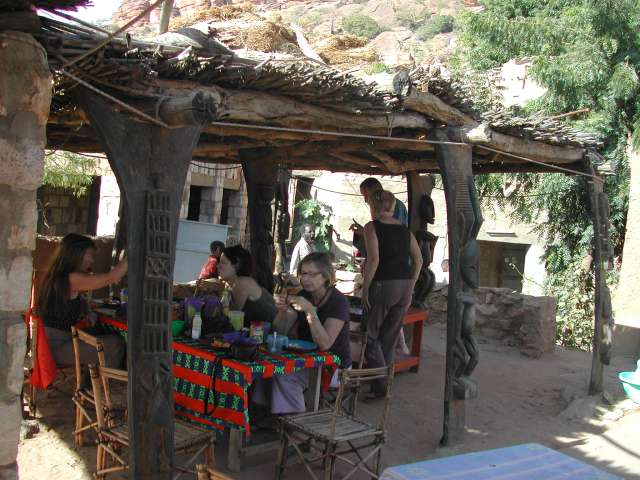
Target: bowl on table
244,349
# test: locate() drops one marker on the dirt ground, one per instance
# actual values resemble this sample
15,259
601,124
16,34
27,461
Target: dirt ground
521,400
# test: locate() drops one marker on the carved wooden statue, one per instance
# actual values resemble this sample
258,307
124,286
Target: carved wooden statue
464,222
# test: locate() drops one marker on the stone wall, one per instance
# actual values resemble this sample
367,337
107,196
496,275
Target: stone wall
25,97
523,321
61,212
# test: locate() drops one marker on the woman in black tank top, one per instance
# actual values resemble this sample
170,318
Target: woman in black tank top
391,268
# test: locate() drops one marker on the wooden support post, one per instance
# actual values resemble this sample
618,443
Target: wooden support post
603,313
165,16
150,163
464,220
419,188
261,177
283,219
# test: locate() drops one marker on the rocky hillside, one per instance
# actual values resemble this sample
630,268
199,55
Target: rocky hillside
370,35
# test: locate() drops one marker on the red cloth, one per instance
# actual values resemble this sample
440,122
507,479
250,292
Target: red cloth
44,366
209,269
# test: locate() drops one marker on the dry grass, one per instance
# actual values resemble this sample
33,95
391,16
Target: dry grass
346,49
226,12
268,37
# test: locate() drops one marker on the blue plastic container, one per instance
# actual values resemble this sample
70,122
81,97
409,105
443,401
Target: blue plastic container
631,383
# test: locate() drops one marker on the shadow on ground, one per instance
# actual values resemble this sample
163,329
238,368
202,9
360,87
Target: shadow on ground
521,400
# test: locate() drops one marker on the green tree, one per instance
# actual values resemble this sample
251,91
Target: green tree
319,215
361,25
69,170
586,53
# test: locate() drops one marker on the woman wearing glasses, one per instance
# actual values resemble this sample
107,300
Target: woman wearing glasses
320,314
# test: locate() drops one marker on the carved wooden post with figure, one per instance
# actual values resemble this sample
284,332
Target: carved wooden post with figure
602,255
464,220
421,214
150,163
261,176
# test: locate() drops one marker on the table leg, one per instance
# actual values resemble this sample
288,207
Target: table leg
235,448
312,395
316,400
416,343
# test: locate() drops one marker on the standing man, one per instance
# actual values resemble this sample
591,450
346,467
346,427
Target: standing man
367,188
303,248
210,269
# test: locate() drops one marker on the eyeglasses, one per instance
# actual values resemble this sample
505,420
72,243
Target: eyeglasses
309,274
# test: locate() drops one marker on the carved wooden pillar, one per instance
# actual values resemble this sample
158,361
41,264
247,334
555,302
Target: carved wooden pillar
421,214
283,219
464,220
150,163
261,177
602,254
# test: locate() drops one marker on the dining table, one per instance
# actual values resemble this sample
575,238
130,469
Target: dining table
211,389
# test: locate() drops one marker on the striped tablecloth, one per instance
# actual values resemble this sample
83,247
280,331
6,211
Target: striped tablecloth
224,402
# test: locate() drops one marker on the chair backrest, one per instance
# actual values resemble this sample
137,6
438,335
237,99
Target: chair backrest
77,336
352,381
359,337
100,377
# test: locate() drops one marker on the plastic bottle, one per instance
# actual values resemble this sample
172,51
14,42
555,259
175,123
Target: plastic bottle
196,326
226,301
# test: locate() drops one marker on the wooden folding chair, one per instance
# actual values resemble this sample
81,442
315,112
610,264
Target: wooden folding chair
29,391
113,439
332,434
83,396
349,400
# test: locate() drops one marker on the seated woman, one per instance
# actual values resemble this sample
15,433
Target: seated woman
256,302
320,313
61,305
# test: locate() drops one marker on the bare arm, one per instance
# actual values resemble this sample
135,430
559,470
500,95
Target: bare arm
416,257
285,320
371,262
81,282
323,335
240,293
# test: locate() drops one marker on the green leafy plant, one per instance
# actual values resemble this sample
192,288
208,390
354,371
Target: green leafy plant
69,170
435,25
586,55
319,215
378,67
361,25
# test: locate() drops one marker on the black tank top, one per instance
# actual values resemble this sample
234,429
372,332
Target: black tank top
393,251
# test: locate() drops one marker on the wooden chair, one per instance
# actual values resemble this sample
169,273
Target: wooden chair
83,395
332,434
29,394
349,399
113,440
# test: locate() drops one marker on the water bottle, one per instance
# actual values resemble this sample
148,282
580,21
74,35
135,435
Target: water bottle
196,326
225,301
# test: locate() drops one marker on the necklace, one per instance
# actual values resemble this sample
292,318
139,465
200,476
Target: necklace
322,300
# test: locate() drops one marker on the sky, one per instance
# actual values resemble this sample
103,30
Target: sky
101,10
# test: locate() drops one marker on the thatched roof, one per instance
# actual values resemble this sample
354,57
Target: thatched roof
290,92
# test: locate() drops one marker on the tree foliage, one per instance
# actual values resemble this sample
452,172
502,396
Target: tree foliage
69,170
319,215
361,25
586,53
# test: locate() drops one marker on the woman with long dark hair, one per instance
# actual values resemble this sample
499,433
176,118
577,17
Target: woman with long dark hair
235,268
62,305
